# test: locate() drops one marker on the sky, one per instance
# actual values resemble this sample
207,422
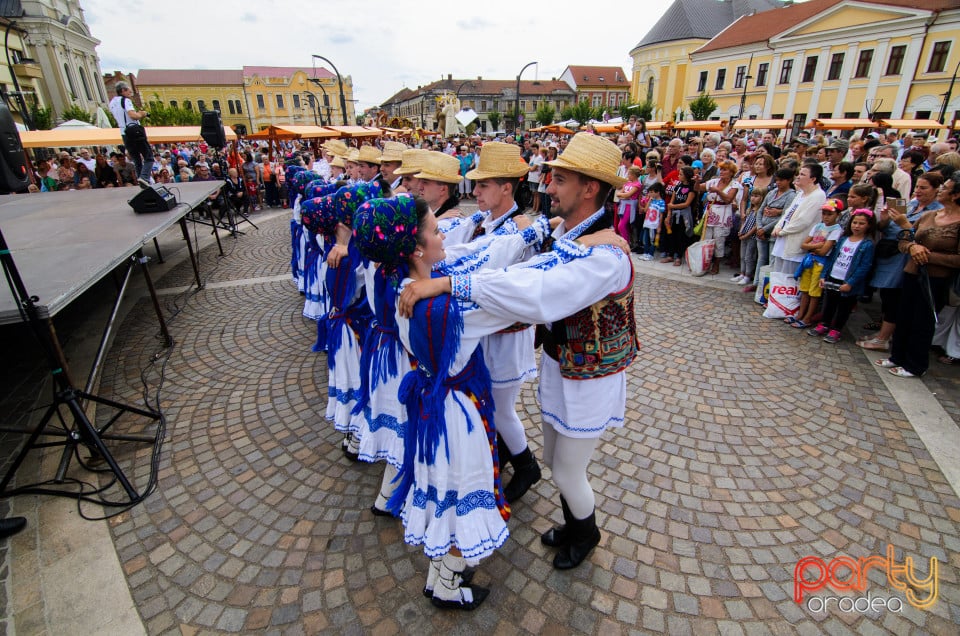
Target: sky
384,46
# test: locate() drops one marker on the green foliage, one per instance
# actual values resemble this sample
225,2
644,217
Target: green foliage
645,109
163,115
582,112
510,117
75,112
701,106
472,128
494,117
111,119
42,118
546,114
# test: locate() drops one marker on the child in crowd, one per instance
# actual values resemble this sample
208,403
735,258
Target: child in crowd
628,195
653,213
844,276
679,221
860,195
818,244
748,236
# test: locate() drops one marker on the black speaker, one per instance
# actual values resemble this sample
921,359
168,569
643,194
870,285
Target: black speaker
13,162
211,129
155,198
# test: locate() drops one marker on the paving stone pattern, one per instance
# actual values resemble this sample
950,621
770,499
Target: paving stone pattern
747,447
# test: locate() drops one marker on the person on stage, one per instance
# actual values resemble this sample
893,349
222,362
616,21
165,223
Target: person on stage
129,120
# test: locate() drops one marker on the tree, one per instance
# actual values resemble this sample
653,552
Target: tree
164,115
510,117
545,114
494,117
42,118
645,109
582,112
75,112
702,106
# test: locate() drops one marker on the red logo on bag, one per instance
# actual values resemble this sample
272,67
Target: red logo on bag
787,291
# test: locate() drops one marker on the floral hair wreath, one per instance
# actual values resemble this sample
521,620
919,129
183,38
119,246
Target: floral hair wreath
385,230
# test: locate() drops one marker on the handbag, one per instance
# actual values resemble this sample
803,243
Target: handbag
701,224
135,133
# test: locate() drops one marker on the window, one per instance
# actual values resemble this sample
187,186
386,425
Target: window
836,66
895,63
296,101
187,104
741,77
260,103
73,89
202,105
239,109
86,86
483,105
173,103
233,111
702,84
523,105
785,71
721,79
597,100
938,59
798,121
280,102
923,114
216,105
810,69
16,56
762,74
863,63
650,89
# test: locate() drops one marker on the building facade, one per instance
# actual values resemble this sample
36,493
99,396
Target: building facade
598,85
21,78
254,97
58,41
833,59
422,106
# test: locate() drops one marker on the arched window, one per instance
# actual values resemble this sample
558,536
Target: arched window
187,104
66,72
216,104
650,89
233,110
202,105
86,86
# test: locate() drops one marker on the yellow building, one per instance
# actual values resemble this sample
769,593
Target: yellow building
661,60
27,74
253,97
832,59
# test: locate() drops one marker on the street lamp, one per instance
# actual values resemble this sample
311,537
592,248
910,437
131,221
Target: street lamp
470,82
343,100
313,102
948,94
746,81
326,100
516,105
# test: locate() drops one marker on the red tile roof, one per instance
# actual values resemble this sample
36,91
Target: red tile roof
760,27
599,76
184,77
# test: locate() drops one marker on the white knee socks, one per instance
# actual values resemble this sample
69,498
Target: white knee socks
506,420
571,456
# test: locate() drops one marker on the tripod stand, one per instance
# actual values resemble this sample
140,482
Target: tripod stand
82,431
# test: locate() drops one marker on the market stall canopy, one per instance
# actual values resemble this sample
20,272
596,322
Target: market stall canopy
397,132
423,132
711,125
916,124
557,129
355,131
73,124
757,124
605,128
841,124
70,137
293,132
659,125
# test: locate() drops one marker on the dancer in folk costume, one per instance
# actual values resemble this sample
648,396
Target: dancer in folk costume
318,239
411,164
589,330
349,315
296,234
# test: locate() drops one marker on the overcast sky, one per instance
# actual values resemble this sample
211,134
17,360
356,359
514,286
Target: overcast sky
384,46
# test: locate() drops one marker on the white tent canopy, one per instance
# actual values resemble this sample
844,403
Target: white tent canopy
73,124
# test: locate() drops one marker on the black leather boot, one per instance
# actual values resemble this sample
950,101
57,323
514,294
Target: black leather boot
557,536
526,472
583,537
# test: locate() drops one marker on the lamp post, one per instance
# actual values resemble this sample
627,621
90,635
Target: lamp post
326,100
313,103
516,105
746,81
343,100
948,95
470,82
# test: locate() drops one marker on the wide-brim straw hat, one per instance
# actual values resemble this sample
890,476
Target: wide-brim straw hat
352,155
393,151
338,162
593,156
499,160
412,161
336,147
441,167
369,154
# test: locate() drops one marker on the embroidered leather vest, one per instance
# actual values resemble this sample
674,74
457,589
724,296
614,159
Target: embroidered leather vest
599,340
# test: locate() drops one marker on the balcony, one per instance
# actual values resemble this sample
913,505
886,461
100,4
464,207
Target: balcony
28,70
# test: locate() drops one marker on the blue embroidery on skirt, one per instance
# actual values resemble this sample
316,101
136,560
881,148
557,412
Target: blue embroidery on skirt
472,501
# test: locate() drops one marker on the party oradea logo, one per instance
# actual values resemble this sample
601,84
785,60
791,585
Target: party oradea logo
846,574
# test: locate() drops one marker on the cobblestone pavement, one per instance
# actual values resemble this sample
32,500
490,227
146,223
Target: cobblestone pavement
748,446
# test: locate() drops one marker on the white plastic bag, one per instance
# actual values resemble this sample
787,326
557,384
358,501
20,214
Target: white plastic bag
699,257
784,298
763,289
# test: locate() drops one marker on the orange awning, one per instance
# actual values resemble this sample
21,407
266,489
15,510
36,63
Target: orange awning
553,128
70,137
355,131
659,125
756,124
841,124
292,132
918,124
710,125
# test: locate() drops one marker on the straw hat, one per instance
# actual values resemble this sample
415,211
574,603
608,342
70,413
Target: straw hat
393,151
413,160
499,160
338,162
593,156
352,155
442,167
335,147
369,154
